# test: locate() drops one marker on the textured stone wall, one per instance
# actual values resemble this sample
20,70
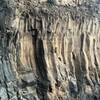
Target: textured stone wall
49,52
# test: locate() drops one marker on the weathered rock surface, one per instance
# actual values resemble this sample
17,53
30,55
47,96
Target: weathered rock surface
49,51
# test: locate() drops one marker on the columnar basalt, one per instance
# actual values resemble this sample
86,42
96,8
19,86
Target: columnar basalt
48,51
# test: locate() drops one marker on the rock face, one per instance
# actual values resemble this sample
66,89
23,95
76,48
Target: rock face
48,51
